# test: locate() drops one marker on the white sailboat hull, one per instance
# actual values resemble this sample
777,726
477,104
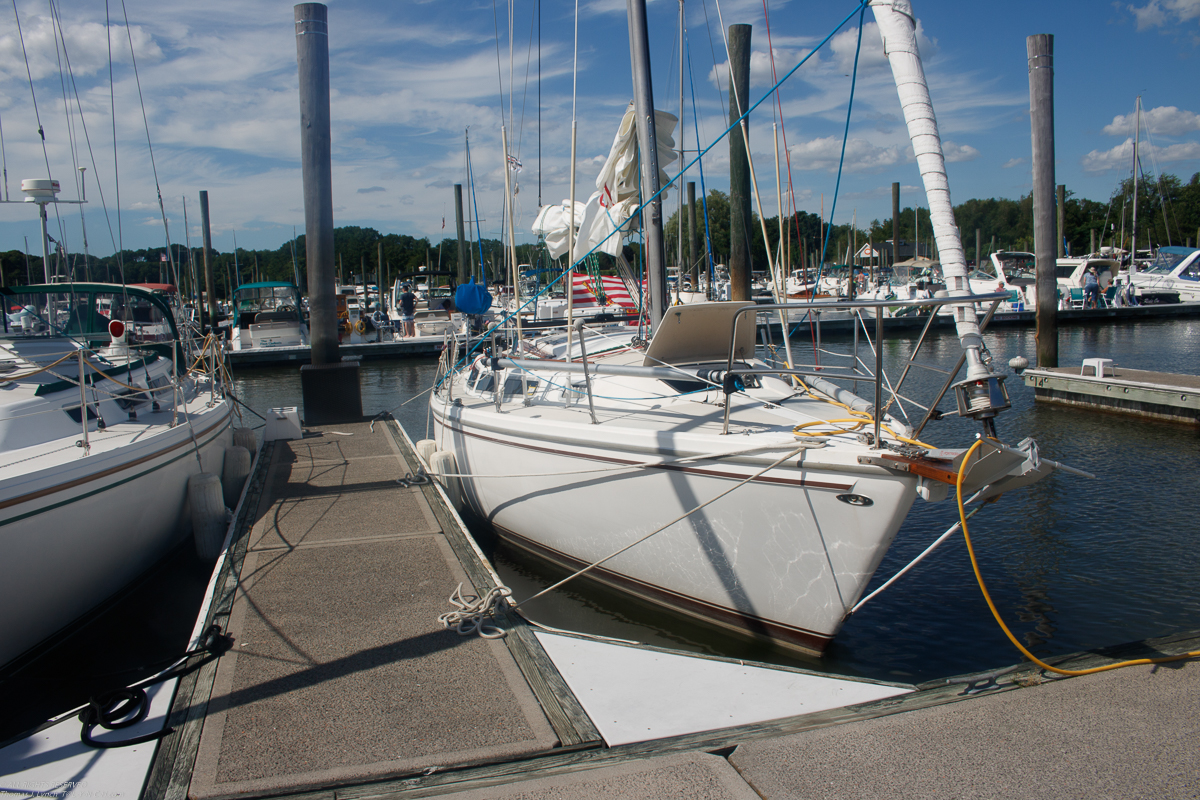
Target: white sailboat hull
780,558
74,535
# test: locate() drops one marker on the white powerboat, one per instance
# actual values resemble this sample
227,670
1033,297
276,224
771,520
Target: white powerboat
98,439
267,314
1175,269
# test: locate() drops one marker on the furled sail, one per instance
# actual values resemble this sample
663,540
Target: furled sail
616,196
898,27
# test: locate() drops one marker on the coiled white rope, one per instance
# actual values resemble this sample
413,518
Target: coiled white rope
472,613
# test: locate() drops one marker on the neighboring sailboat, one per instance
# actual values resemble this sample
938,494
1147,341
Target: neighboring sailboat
100,432
753,495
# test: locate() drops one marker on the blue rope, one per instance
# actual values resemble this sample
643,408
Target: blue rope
842,160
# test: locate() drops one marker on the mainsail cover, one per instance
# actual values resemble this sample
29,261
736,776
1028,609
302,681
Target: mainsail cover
604,219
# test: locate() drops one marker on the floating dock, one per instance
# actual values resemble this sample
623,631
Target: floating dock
411,347
1076,316
341,684
1108,387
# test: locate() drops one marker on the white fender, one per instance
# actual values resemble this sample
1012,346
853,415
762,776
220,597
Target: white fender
234,474
208,515
441,463
426,448
245,437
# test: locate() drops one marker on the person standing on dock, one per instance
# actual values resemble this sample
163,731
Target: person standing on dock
408,311
1091,289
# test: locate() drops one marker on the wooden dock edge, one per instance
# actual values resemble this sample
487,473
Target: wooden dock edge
566,715
723,742
175,755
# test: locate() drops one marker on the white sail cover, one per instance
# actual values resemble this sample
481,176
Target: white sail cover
616,196
898,27
552,222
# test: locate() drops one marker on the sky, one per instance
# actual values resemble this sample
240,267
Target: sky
215,94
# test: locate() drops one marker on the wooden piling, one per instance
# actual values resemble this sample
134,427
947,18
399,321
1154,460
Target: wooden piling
1040,50
312,58
740,237
693,237
1060,206
462,238
895,222
209,280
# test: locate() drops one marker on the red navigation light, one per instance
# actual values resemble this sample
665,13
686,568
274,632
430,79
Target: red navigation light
116,329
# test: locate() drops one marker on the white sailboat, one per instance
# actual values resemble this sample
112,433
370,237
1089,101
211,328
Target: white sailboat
100,430
690,472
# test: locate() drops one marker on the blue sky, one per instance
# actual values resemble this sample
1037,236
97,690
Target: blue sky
220,91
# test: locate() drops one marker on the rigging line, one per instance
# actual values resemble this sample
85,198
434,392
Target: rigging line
499,68
62,232
4,159
112,100
88,140
845,137
701,153
32,93
713,50
146,122
525,95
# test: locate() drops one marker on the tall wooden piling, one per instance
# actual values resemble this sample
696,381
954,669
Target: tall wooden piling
740,237
312,57
895,222
978,248
330,386
209,281
462,237
1061,205
1040,50
693,237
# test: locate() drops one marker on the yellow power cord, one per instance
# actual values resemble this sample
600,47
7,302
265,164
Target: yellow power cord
979,577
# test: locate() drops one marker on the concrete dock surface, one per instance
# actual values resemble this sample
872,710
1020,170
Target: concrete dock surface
341,684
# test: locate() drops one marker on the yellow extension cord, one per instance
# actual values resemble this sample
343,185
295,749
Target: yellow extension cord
979,577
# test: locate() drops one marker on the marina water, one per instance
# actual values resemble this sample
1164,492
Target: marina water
1071,563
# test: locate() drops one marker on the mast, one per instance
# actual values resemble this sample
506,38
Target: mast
1137,129
643,100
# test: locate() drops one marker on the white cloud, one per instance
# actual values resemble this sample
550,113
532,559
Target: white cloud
1167,120
1121,156
1161,13
87,46
1013,162
861,155
955,152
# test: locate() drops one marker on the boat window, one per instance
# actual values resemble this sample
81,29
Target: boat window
1191,272
47,314
1064,271
1018,265
146,321
74,413
1165,263
512,385
486,381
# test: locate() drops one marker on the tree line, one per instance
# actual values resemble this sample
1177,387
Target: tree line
1168,213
